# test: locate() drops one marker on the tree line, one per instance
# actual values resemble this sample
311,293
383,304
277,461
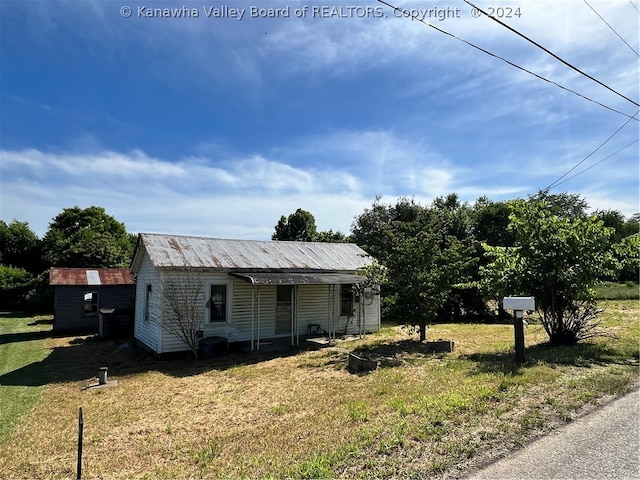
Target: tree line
75,238
452,261
445,261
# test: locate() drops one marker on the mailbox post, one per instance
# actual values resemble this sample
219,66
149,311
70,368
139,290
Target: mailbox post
518,305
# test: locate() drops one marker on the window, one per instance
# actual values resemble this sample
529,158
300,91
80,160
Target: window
346,300
217,303
90,302
147,302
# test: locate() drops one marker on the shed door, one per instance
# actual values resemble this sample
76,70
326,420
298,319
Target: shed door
283,309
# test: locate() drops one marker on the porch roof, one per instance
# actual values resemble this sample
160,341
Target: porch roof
287,278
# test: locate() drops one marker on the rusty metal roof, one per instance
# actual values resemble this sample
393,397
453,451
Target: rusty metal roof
90,276
184,252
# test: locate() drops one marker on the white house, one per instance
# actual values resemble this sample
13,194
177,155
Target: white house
252,291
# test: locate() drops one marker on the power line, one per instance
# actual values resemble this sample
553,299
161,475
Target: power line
550,52
634,6
597,163
588,156
612,29
414,16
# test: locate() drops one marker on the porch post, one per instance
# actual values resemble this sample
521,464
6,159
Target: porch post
253,315
362,320
329,311
294,316
258,332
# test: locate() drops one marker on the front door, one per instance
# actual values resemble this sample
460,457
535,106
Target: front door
283,309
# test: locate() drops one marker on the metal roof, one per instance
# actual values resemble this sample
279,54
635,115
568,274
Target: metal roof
184,252
90,276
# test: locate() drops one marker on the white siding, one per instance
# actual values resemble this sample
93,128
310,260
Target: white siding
267,320
313,307
146,331
241,315
313,303
203,282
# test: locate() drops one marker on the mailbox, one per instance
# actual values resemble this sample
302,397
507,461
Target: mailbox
519,303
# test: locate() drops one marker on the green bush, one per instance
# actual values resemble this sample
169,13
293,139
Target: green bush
15,284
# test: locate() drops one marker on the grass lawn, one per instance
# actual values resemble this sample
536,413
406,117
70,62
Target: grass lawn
303,415
618,291
21,348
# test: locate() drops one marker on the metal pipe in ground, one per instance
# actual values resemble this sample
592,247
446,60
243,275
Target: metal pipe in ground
80,429
102,376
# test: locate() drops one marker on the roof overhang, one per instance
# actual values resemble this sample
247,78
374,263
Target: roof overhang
282,278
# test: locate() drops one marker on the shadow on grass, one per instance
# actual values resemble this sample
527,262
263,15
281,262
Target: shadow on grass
399,348
585,355
15,315
82,357
6,338
42,321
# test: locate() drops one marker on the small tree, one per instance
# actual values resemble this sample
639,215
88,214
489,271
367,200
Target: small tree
559,256
426,268
182,308
375,276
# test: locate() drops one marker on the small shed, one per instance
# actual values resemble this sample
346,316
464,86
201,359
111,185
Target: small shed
80,294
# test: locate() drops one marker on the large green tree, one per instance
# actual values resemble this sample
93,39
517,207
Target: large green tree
20,246
490,222
428,252
87,238
560,254
299,226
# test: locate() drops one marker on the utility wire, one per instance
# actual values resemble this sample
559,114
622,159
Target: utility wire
592,153
634,6
414,16
597,163
550,52
612,29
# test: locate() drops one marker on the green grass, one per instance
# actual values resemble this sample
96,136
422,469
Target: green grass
618,291
21,379
303,415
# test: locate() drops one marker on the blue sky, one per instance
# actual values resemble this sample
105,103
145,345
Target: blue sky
218,126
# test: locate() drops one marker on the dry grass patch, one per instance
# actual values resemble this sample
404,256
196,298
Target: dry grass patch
304,416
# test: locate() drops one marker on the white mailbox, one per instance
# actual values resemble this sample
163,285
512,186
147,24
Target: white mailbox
519,303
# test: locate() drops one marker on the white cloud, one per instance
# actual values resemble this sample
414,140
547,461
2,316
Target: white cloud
225,195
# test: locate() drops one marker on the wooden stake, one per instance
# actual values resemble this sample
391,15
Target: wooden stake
80,428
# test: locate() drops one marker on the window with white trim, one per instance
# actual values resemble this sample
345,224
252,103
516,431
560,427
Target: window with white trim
217,303
346,300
